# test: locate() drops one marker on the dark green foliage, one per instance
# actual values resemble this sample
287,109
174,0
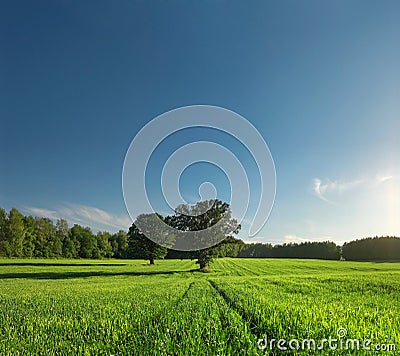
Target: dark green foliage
27,236
3,223
119,244
321,250
190,218
229,247
15,232
318,250
377,248
62,232
140,246
70,248
87,241
179,255
5,249
256,250
30,236
104,249
45,232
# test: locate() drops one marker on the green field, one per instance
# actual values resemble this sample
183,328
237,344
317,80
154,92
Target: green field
126,307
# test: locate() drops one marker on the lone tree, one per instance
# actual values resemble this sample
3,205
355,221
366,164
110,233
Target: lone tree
140,246
213,221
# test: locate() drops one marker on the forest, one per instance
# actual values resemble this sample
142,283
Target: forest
28,236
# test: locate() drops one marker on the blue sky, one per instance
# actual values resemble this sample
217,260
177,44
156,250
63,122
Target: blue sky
319,80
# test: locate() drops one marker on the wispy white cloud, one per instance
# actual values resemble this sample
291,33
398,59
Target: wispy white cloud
93,217
383,178
319,189
327,189
323,189
41,212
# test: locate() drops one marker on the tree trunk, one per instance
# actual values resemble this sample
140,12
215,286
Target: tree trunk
151,260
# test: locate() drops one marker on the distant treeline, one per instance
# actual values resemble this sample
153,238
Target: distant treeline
28,236
372,248
322,250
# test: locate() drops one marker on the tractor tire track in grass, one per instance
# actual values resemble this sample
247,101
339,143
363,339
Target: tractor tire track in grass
201,323
255,326
186,292
246,317
246,271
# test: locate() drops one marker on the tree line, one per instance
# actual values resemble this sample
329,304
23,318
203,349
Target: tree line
319,250
28,236
372,248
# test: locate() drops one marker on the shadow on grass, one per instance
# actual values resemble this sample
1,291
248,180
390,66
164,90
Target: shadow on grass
44,264
69,275
379,261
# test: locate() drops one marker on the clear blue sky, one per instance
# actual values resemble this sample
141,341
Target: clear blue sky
320,81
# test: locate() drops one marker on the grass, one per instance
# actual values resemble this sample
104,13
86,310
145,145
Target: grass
64,307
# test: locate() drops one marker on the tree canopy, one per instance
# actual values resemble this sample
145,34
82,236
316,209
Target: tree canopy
140,246
210,221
